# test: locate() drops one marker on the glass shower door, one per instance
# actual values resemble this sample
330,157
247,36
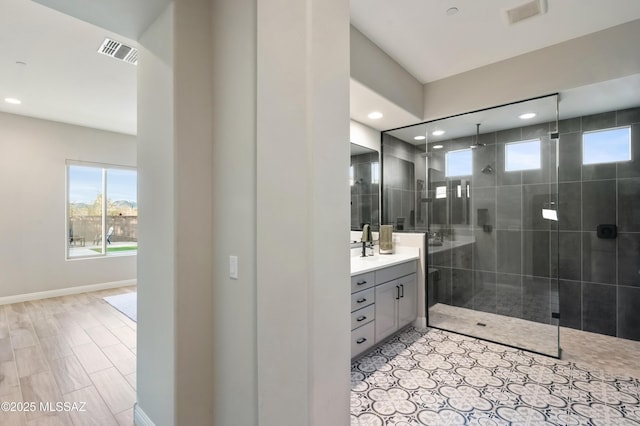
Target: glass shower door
491,197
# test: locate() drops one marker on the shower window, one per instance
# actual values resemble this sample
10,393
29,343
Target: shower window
375,173
458,163
606,146
523,155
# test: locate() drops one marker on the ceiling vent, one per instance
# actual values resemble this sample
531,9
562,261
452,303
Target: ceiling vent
525,11
120,51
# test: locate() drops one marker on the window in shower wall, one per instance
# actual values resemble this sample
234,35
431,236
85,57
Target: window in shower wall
606,146
458,163
375,173
523,155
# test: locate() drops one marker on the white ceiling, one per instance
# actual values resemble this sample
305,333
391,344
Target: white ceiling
432,45
65,80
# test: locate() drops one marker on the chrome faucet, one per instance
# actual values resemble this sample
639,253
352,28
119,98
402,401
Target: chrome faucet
366,238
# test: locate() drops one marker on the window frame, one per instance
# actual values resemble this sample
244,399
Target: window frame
506,156
630,145
105,167
446,162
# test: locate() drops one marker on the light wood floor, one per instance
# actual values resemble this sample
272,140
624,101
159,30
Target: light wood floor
74,349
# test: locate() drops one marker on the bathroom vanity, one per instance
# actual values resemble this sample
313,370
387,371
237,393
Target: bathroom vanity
384,293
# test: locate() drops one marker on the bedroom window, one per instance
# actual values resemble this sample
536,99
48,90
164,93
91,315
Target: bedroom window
102,210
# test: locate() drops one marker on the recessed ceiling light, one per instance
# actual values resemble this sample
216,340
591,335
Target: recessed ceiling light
452,11
438,133
527,116
13,101
375,115
437,146
420,138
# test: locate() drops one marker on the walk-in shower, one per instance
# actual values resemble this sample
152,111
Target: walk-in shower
478,185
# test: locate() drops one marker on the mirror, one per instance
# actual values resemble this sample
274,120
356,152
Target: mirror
364,180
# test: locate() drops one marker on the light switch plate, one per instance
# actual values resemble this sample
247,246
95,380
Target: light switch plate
233,267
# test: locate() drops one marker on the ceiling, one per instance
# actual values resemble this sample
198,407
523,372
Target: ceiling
432,45
64,79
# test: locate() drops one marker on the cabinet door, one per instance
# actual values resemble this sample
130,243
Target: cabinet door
386,309
408,303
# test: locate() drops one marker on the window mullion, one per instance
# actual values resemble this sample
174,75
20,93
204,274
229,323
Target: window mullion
104,212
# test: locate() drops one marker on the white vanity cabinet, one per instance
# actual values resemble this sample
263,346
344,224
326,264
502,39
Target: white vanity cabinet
396,300
382,302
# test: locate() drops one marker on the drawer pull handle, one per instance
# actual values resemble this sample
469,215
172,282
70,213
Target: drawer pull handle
397,292
362,300
361,340
402,288
361,282
362,318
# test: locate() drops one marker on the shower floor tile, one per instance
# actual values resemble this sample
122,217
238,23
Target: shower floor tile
434,377
530,335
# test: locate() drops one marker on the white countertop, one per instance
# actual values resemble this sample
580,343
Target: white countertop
360,265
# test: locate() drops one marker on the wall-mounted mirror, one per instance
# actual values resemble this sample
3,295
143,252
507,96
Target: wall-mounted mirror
364,180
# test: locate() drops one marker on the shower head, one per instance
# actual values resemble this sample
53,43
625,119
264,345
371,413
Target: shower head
488,169
477,144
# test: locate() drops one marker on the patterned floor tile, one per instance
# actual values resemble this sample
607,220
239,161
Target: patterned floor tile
434,377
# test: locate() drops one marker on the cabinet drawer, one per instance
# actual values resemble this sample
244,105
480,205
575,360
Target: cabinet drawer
363,316
394,272
362,281
362,298
362,338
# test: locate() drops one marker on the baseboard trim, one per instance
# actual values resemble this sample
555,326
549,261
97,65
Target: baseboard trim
140,418
64,291
420,322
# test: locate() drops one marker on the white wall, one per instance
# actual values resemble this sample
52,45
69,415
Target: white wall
156,389
234,217
193,206
364,135
33,187
303,212
269,348
593,58
375,69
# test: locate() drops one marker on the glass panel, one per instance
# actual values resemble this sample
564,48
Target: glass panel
84,211
490,207
122,211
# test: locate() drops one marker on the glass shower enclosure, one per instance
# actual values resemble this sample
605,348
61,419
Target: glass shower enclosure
484,186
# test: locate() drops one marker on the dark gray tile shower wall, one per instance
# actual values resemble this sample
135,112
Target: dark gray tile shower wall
603,295
515,264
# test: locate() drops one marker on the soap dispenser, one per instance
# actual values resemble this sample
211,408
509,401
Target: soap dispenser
366,239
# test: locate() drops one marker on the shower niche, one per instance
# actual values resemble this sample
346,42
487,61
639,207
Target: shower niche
484,186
